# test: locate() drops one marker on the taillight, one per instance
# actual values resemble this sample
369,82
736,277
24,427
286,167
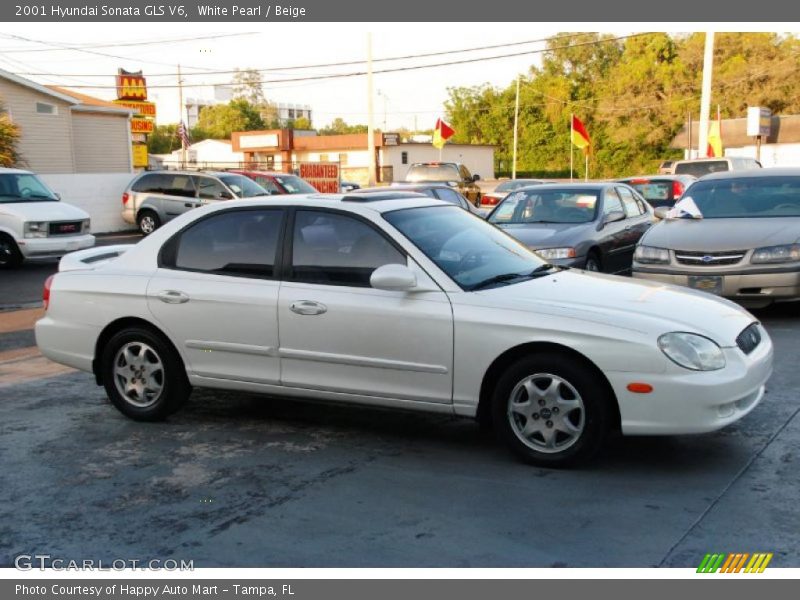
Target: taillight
125,198
490,200
677,189
46,292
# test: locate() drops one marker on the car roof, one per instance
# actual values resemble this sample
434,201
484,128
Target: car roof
667,176
349,202
402,187
753,173
587,185
17,171
257,172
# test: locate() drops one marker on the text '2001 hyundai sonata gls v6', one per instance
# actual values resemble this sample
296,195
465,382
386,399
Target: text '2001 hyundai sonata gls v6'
409,303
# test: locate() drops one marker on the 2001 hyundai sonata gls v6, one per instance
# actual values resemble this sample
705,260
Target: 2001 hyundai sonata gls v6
408,303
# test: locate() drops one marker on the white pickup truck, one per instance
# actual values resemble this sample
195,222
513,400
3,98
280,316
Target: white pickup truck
34,223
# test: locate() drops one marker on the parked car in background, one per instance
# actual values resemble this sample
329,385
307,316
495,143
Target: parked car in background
698,167
453,174
439,191
592,226
745,247
407,303
665,168
493,198
348,186
660,190
278,183
34,223
155,197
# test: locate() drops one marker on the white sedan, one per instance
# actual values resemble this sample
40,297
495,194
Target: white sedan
393,301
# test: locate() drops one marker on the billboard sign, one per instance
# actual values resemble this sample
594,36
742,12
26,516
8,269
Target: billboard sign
141,125
759,121
142,107
131,85
323,176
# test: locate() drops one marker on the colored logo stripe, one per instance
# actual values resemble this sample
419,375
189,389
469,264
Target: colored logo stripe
734,562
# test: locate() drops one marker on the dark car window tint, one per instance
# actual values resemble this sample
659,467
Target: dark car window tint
450,196
612,203
210,189
178,185
334,249
153,183
698,169
629,202
240,243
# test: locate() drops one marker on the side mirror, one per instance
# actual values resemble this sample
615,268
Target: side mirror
393,278
57,195
613,217
661,212
476,177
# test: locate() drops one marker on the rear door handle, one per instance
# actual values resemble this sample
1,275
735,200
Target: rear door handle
308,307
172,297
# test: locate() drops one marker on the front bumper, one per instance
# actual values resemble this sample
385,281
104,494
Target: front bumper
761,287
54,246
686,402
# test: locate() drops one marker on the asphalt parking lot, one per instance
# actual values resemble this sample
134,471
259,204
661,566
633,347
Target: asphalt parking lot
241,480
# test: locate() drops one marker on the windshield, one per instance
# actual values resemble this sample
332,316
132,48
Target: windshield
547,206
747,197
433,173
295,185
700,168
508,186
24,187
464,246
243,187
653,190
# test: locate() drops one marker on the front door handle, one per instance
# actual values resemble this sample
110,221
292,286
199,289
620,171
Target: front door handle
172,297
308,307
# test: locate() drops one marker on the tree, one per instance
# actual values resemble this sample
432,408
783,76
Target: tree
338,127
163,140
247,86
221,120
9,138
300,123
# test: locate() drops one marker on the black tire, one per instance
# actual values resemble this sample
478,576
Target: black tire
583,385
148,221
10,256
593,262
174,386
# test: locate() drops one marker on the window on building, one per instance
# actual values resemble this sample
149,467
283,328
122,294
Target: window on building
291,113
404,158
43,108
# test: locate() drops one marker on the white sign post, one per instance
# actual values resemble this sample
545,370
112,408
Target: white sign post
759,125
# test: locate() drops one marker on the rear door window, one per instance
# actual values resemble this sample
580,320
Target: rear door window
629,203
612,203
150,184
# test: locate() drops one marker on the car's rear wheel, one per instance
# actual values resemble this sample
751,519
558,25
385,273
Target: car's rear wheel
552,410
10,256
143,375
148,221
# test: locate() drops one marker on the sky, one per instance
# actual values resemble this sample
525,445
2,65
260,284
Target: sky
402,99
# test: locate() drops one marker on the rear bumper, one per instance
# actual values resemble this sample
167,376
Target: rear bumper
687,402
759,288
54,246
67,343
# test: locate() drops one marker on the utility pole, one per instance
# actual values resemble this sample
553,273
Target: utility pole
180,118
705,99
689,139
371,116
516,126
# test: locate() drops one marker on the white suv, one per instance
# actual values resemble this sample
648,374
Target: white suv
33,221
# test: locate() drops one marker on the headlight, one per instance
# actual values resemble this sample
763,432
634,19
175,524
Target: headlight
651,255
86,226
35,229
776,254
554,253
692,351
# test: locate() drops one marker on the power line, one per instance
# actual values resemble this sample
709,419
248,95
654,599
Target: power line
401,69
359,62
114,45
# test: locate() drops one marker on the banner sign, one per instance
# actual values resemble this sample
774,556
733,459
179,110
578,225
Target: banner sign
141,125
139,154
131,86
142,107
323,176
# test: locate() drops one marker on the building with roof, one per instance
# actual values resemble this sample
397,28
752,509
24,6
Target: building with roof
63,131
780,149
206,154
281,149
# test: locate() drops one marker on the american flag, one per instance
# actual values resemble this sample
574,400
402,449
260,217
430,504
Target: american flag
183,133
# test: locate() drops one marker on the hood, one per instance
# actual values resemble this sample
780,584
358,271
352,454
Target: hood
713,235
548,235
644,306
43,211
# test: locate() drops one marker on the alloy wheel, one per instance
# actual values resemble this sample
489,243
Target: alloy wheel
138,374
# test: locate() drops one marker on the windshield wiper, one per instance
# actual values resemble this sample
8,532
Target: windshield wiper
502,278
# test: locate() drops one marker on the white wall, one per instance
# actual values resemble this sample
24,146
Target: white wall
209,153
99,194
772,155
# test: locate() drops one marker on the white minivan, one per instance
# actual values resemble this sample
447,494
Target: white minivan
34,223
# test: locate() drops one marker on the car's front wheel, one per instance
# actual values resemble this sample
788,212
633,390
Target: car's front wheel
143,375
10,256
552,410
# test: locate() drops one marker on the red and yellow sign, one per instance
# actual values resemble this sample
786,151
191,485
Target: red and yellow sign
142,107
323,176
141,125
131,86
139,154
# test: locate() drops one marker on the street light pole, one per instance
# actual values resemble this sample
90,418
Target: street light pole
516,125
371,116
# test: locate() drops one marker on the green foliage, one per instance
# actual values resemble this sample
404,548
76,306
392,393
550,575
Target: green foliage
163,140
219,121
9,138
632,95
338,126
